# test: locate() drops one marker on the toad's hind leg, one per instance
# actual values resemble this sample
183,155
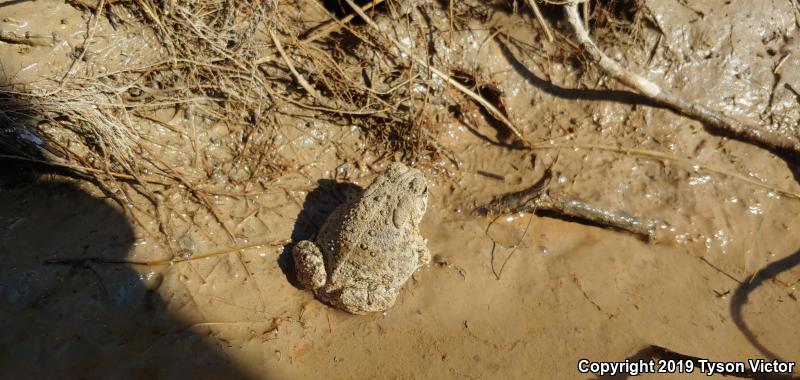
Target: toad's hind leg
309,265
362,301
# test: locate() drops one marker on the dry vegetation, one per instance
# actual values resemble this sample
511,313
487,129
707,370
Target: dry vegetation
240,63
248,63
255,69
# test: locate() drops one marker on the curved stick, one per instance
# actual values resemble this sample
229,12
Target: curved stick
746,132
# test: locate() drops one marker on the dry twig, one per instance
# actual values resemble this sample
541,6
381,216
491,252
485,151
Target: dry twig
482,101
541,20
538,198
332,106
30,39
750,133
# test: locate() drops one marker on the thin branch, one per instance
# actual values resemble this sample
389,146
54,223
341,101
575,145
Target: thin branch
749,133
485,103
300,80
539,198
541,20
30,39
333,106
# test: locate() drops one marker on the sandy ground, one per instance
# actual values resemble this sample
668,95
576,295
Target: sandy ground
519,296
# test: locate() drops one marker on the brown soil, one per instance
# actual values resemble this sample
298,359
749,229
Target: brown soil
91,290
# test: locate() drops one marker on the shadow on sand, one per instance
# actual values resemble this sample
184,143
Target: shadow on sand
319,203
81,319
740,298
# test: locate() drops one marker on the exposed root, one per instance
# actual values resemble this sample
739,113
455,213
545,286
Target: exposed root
749,133
651,230
538,198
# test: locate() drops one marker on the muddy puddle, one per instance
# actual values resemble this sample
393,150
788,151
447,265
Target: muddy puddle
90,288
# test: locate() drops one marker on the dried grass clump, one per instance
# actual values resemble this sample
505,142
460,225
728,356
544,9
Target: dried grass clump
73,125
239,63
250,59
351,74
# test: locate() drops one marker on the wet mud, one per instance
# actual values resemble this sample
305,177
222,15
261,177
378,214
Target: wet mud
90,288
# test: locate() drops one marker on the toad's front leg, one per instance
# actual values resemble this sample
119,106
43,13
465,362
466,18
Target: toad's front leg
309,265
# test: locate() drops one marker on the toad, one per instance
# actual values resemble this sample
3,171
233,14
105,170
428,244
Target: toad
369,246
